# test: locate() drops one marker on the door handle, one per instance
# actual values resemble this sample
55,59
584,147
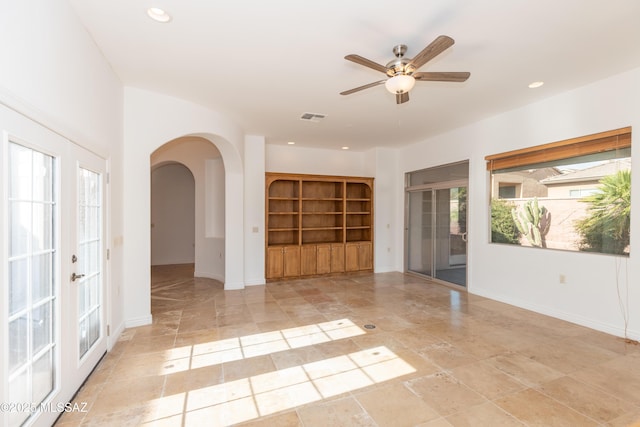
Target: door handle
464,236
75,277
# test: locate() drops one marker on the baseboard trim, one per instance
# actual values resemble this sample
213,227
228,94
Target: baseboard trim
559,314
139,321
208,275
255,282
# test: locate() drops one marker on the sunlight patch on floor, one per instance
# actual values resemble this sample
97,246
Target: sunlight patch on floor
228,350
265,394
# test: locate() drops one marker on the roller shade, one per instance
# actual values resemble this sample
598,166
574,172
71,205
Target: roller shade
575,147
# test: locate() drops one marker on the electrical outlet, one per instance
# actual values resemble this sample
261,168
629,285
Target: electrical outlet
563,279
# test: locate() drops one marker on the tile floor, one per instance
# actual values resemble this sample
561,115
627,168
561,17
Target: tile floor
297,353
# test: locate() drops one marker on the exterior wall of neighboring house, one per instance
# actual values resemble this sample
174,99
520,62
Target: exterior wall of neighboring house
526,183
569,189
581,181
564,213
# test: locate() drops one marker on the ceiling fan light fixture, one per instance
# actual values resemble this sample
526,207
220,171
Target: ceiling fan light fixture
158,15
400,83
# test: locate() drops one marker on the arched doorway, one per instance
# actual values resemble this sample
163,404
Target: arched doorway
203,161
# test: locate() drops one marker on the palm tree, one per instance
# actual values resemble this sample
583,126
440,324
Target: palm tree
607,228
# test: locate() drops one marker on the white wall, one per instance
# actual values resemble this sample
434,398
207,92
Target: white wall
318,161
151,120
173,216
214,198
529,277
254,207
53,73
382,164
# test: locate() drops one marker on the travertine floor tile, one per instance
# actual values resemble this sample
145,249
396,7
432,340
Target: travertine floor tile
401,407
587,400
297,353
484,415
446,394
487,380
535,409
343,412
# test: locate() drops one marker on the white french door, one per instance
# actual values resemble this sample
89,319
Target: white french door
52,322
86,281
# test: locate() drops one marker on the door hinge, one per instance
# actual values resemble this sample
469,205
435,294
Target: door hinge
108,330
108,176
108,254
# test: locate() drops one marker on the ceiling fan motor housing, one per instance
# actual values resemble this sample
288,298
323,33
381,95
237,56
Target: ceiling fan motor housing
400,65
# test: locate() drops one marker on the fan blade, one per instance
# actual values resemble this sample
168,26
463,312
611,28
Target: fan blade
439,45
356,89
401,98
442,76
366,62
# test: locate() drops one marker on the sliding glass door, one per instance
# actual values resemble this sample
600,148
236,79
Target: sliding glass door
420,232
436,218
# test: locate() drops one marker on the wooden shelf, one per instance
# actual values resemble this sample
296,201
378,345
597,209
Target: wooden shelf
319,214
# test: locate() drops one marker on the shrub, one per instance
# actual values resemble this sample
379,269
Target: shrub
503,228
606,229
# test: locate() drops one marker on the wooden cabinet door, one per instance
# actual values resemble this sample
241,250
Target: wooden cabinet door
308,260
275,263
358,256
337,258
291,261
323,259
365,256
351,257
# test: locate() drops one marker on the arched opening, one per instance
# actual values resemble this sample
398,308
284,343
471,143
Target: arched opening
200,158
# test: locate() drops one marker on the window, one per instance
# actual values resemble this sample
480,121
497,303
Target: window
507,191
582,192
572,195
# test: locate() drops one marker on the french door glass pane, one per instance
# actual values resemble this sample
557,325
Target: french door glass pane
20,221
18,343
41,271
89,259
31,287
18,276
19,391
41,323
42,376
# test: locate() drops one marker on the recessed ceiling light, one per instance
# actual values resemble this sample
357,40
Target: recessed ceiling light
535,85
158,15
345,148
291,143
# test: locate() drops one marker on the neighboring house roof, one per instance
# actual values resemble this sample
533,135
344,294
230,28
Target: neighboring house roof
594,173
535,174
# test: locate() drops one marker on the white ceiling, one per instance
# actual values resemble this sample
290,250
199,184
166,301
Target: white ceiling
265,63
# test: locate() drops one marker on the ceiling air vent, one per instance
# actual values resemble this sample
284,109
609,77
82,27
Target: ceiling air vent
312,117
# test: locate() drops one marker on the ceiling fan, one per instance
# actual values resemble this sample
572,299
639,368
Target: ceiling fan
402,73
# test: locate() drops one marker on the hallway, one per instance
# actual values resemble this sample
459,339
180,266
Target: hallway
360,350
